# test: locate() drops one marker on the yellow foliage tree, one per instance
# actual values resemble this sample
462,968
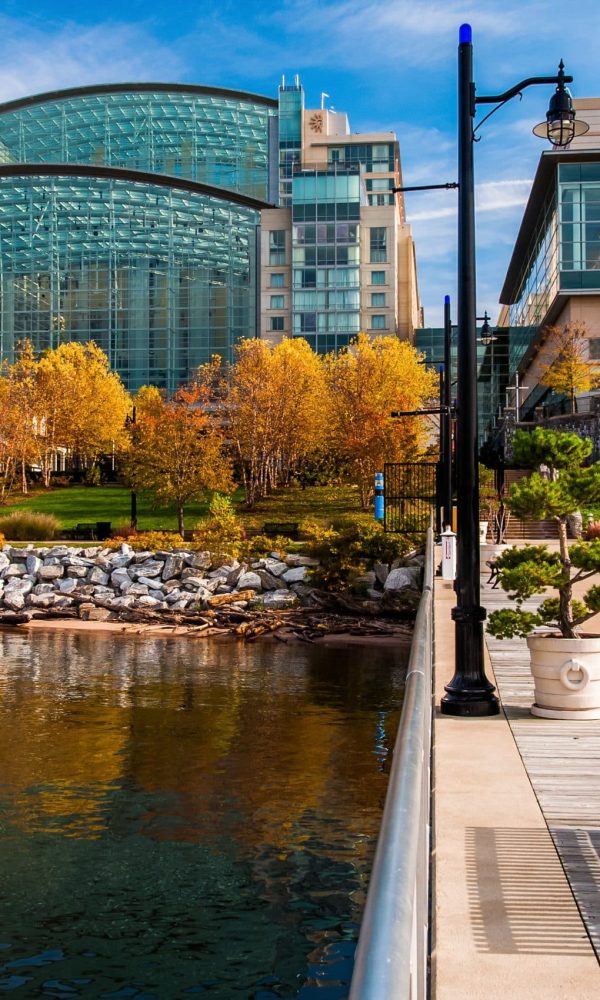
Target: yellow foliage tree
176,449
82,403
569,370
69,398
20,428
276,404
369,381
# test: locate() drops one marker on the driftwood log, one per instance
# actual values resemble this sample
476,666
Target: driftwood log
327,614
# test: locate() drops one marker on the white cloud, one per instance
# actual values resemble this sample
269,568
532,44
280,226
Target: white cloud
34,60
417,33
497,196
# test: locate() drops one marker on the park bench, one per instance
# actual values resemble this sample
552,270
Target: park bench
86,532
287,528
96,531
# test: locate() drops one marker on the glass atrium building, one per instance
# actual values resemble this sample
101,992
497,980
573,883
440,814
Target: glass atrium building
167,221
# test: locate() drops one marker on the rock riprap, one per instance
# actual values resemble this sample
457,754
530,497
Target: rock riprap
62,577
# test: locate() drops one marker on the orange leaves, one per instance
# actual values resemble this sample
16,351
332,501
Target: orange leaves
276,408
568,369
176,448
369,381
287,405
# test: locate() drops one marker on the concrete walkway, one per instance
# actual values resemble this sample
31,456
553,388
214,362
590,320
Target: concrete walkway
506,923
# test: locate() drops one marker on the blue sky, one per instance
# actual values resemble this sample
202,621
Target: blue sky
391,64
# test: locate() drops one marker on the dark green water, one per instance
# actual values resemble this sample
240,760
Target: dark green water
184,817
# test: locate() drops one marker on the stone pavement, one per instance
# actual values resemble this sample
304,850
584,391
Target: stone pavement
506,923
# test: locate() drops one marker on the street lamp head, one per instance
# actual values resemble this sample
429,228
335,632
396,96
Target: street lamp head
561,126
486,336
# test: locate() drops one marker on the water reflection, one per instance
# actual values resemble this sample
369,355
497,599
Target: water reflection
179,816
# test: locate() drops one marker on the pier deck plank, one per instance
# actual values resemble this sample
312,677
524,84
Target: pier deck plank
562,760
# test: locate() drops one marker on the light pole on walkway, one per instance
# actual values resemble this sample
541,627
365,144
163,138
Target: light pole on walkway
470,693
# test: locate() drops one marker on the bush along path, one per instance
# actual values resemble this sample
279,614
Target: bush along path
209,593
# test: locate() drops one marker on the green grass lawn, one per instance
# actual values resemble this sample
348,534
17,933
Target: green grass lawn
316,503
80,504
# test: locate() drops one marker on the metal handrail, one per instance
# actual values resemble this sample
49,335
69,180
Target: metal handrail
392,954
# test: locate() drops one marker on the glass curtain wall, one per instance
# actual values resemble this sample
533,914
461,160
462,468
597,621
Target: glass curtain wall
197,133
579,200
326,257
540,276
160,278
291,107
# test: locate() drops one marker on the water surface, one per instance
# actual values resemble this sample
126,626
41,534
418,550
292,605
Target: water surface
183,817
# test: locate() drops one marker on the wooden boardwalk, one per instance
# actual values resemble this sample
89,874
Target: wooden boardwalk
562,759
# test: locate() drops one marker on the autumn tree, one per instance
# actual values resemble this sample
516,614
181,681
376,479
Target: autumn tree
82,402
20,426
369,381
176,449
569,370
276,404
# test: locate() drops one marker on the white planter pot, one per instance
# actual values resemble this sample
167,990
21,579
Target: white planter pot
483,530
566,675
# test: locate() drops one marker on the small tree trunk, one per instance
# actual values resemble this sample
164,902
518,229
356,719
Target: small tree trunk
565,614
180,518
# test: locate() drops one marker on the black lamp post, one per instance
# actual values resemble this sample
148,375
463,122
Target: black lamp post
446,401
470,693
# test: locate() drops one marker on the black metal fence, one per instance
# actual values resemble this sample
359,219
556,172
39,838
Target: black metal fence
409,496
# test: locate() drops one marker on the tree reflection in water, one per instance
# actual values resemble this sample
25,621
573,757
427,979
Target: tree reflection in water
181,815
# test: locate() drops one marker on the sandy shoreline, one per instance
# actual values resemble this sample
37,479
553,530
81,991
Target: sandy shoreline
127,629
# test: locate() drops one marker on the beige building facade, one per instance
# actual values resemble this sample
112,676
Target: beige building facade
337,255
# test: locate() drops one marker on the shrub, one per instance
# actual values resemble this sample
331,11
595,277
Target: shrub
27,526
259,545
124,531
92,476
2,539
530,570
222,531
345,553
148,541
593,530
355,542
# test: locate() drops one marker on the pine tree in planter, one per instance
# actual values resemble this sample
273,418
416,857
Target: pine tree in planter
566,667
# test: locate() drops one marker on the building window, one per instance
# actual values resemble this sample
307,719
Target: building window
277,247
378,277
378,299
277,302
277,280
378,238
378,322
277,323
594,348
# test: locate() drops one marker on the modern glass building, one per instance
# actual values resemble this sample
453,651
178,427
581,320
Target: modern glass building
161,275
554,274
166,222
210,135
129,216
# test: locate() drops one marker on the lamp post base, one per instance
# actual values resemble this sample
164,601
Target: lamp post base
469,703
469,693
